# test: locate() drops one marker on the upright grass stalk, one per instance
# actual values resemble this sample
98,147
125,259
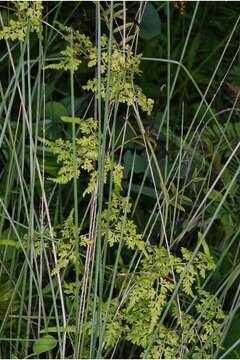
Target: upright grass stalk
102,133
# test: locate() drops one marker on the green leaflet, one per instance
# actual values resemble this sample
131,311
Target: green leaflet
28,15
44,344
8,242
140,312
123,68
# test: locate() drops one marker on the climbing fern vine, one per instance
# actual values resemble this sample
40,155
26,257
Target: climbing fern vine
134,312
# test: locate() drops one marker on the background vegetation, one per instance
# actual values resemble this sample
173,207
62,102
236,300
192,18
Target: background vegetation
120,180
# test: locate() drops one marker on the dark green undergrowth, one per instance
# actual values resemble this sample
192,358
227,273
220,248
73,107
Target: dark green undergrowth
120,180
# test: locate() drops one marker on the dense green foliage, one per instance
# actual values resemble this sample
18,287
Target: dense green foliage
120,175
